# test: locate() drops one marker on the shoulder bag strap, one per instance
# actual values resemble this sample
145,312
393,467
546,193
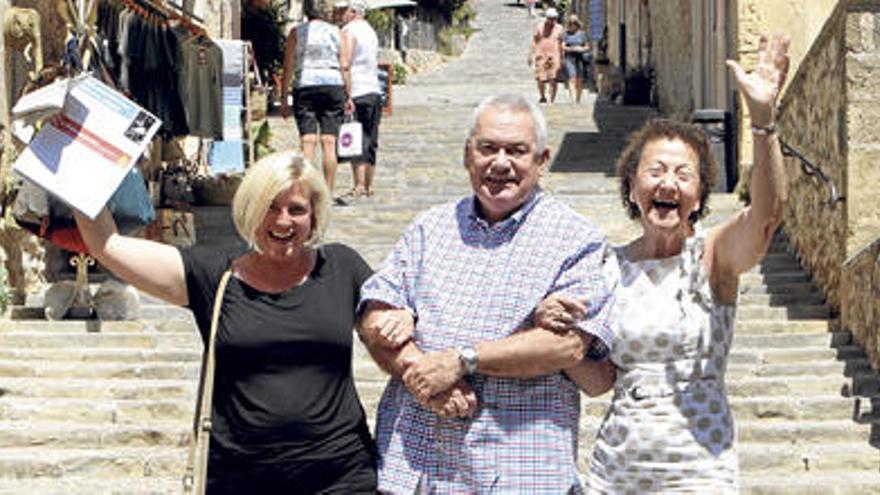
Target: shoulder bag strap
195,476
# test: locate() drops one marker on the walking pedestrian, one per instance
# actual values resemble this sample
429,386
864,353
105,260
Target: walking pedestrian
545,53
575,46
320,65
285,412
365,92
471,272
670,426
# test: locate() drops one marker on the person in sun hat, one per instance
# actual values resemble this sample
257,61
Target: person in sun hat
545,53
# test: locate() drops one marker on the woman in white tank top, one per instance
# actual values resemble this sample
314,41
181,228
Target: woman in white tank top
319,62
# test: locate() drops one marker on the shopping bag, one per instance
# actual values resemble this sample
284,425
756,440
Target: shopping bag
351,140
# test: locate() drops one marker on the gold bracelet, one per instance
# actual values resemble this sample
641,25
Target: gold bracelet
764,130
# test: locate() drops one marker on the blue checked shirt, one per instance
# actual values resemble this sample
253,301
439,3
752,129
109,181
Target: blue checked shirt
468,282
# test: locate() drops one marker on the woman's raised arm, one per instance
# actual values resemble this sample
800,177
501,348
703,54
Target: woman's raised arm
739,243
149,266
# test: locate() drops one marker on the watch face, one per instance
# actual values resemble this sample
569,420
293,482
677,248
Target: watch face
468,357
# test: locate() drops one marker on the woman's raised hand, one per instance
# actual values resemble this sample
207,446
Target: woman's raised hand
762,85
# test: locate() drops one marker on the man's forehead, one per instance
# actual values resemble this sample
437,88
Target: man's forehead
505,124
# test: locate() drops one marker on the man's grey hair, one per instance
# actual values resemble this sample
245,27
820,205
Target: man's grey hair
513,103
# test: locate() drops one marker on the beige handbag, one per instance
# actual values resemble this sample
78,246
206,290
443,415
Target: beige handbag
196,475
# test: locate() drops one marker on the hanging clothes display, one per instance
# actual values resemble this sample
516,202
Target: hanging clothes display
165,63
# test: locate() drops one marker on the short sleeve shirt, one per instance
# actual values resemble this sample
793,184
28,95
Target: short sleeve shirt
284,386
468,282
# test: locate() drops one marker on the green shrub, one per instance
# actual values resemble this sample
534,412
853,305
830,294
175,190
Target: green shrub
5,290
381,21
261,140
398,74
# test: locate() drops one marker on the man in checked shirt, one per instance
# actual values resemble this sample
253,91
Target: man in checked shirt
480,400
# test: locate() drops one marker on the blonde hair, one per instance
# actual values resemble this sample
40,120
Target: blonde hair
271,176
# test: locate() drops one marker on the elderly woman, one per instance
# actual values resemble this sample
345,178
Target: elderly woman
575,46
285,410
670,427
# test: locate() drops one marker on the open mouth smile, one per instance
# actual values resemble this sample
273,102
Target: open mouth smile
282,236
665,205
499,182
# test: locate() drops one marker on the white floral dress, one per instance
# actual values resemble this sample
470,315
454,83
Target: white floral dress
669,428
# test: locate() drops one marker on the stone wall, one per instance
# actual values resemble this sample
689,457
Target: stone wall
812,120
863,122
4,97
862,294
861,274
672,52
829,113
801,20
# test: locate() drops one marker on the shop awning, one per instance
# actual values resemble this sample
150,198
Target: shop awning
384,4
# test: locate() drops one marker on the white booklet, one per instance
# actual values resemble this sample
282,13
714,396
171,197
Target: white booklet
88,143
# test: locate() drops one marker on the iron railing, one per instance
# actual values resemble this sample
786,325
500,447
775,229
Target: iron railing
813,170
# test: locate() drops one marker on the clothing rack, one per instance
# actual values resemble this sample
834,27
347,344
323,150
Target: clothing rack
186,13
170,11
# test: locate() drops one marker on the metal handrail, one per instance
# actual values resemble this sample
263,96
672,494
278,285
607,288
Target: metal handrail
813,170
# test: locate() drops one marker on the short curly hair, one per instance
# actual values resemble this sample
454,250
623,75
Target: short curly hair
691,135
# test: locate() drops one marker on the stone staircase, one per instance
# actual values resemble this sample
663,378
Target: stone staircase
96,407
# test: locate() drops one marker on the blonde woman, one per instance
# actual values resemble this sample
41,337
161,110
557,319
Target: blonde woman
285,411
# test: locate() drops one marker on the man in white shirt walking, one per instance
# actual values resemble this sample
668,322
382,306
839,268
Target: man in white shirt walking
365,91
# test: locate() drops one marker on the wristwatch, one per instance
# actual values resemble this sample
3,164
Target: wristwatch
468,357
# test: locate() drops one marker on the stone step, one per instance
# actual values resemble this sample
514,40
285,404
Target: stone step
182,324
170,340
107,464
779,326
755,277
806,288
823,369
121,355
26,435
95,411
778,409
79,485
73,369
791,312
777,266
803,297
804,432
106,389
758,432
861,384
844,481
815,457
789,340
